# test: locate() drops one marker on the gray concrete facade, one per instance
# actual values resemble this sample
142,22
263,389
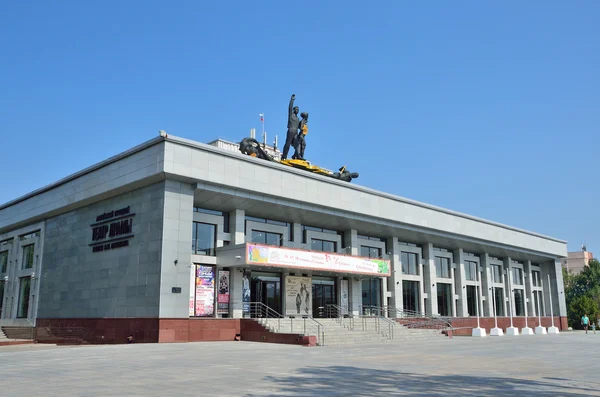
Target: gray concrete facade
164,179
122,282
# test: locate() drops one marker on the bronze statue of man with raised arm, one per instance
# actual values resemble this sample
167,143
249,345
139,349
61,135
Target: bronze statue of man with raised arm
292,126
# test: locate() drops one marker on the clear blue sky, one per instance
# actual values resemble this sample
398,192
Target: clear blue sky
488,108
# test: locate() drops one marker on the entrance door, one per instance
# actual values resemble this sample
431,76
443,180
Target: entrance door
323,294
266,289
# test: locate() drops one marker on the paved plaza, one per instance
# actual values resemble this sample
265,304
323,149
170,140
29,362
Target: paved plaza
550,365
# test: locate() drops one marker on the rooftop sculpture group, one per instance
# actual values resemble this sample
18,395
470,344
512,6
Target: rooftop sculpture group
297,129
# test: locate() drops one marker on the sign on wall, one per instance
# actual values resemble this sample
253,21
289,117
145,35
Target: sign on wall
298,294
344,296
257,254
112,230
223,292
246,293
205,291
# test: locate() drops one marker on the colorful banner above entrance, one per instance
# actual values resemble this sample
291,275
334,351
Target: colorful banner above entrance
257,254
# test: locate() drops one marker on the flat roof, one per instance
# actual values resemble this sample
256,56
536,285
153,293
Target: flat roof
224,152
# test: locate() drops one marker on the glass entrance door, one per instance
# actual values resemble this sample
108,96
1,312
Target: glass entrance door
266,289
323,294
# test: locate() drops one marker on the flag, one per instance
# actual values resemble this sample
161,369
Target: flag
262,117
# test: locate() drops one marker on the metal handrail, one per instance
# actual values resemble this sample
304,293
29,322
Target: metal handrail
342,315
389,312
262,311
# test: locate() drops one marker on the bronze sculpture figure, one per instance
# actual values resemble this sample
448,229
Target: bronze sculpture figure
299,142
292,126
251,147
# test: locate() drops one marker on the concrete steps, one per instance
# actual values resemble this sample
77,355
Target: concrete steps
6,341
365,330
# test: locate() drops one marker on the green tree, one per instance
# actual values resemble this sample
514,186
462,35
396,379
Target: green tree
580,306
582,293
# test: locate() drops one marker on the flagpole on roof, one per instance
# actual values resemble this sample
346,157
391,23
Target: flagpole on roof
262,124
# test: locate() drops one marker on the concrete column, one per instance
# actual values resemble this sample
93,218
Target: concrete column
350,240
559,305
560,288
237,219
486,285
235,290
355,300
429,279
297,232
177,216
508,283
528,288
395,280
460,283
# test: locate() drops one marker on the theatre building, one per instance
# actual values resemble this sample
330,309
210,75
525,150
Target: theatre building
175,240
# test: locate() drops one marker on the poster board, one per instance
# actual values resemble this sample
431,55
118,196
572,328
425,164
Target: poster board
205,291
223,292
298,296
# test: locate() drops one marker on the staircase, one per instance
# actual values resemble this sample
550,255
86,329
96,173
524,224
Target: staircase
15,336
349,329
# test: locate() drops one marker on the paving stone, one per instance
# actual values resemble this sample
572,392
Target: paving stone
538,365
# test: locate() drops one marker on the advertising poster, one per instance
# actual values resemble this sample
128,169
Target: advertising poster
246,293
344,297
192,289
298,294
205,291
223,292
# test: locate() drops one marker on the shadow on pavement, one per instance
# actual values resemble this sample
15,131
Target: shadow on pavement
352,381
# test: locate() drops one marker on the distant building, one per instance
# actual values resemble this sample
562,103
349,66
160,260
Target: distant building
575,262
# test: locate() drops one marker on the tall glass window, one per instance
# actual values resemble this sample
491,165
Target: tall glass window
409,263
28,256
24,290
204,239
260,237
519,302
499,301
370,252
539,303
517,276
471,270
535,275
442,267
371,292
410,295
444,299
472,300
322,245
3,262
497,273
1,296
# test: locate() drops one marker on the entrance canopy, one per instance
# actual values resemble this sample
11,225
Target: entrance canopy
292,258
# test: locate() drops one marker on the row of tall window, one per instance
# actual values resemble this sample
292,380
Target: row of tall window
26,262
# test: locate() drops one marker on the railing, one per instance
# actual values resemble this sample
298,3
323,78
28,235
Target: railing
342,316
389,312
306,326
260,310
440,323
383,324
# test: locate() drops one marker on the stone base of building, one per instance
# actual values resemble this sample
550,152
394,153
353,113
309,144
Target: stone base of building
154,330
464,325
